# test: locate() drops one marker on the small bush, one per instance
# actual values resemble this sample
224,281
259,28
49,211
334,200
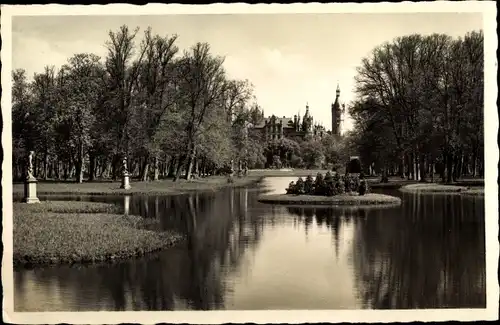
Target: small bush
363,187
299,186
319,185
329,185
291,188
309,185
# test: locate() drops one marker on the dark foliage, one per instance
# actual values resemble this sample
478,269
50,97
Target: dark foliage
330,185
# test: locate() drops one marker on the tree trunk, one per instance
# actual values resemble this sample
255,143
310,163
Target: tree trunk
156,168
474,162
174,161
422,168
178,171
92,166
190,163
79,165
432,169
46,165
449,168
145,169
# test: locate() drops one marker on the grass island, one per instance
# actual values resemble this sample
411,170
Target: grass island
434,188
351,199
67,232
332,190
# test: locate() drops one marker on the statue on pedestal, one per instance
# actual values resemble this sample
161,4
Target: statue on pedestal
30,164
125,168
30,195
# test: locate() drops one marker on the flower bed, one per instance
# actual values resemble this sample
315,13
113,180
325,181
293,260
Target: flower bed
370,199
81,232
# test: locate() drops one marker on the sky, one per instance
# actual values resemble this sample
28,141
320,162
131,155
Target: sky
291,59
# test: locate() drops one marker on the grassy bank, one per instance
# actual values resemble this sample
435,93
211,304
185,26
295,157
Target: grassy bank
285,172
434,188
54,232
160,187
369,199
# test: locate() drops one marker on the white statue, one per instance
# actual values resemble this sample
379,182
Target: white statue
30,164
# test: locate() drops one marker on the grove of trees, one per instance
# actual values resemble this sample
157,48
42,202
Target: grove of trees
171,114
419,108
165,111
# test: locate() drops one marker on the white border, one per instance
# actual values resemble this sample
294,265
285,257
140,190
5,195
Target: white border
487,8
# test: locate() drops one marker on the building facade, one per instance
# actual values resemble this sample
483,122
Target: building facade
275,128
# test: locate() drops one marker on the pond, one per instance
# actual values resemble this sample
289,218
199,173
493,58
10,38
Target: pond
240,254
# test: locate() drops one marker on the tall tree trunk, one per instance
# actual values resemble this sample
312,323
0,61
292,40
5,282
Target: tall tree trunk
449,168
92,166
474,162
174,161
422,168
46,164
180,164
145,169
114,165
156,168
432,168
190,163
79,164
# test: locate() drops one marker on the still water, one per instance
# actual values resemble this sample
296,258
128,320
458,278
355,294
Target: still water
242,254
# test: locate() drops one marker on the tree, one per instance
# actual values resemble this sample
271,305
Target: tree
83,90
154,97
201,85
417,93
122,83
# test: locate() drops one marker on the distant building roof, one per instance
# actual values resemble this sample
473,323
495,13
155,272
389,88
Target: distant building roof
286,121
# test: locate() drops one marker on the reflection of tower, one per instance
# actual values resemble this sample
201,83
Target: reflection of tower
337,112
336,230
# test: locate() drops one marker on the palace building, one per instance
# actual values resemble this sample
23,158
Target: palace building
275,128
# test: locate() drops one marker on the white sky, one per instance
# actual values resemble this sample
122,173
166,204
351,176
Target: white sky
292,59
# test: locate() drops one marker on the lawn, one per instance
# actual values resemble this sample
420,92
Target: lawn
54,232
153,187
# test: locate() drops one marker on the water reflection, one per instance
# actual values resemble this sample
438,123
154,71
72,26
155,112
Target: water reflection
241,254
429,253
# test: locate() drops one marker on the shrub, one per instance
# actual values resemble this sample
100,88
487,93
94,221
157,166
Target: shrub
299,186
329,185
309,185
339,187
319,185
291,188
363,187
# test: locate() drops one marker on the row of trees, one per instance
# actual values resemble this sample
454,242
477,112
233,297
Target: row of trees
166,111
420,107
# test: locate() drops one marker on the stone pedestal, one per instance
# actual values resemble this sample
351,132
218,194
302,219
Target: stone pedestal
30,190
125,182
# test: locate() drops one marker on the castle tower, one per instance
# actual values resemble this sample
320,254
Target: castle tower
307,121
336,114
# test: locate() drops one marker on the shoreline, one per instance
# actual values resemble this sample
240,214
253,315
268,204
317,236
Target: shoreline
66,233
161,187
367,200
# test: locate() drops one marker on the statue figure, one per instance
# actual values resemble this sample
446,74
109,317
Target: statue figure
30,164
125,170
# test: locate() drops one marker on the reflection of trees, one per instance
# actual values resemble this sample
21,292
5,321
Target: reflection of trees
430,253
331,218
219,229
